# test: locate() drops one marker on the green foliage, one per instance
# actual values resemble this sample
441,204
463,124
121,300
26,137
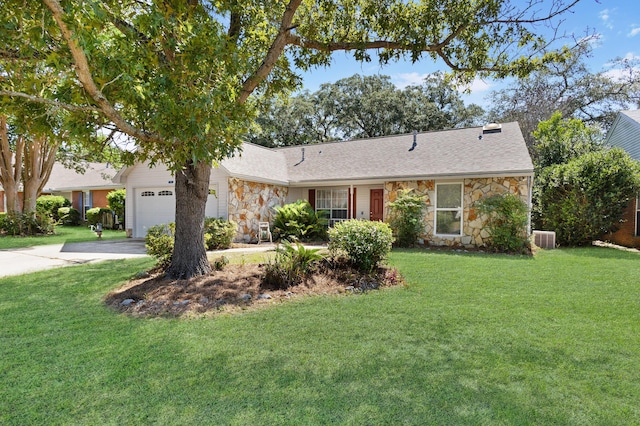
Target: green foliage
116,200
159,243
585,198
560,140
50,204
218,233
24,224
290,265
507,219
365,243
363,106
69,216
406,218
97,214
299,222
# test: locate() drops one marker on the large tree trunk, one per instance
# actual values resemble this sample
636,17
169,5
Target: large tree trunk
192,189
39,157
10,167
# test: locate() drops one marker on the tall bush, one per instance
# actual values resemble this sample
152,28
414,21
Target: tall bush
50,204
406,218
116,200
298,221
507,221
586,197
365,243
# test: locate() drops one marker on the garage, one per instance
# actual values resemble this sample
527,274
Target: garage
155,206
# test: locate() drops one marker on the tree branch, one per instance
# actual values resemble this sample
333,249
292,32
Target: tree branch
84,75
36,99
277,47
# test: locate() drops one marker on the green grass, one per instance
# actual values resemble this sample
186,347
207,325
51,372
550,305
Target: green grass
63,234
473,339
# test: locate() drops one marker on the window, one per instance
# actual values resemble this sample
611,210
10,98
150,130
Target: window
147,194
449,209
164,193
334,201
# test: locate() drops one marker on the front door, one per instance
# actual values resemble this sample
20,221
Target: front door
376,204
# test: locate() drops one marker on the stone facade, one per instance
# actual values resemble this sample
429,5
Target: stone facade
473,232
251,203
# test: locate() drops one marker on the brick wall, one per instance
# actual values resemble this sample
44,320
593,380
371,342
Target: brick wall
625,235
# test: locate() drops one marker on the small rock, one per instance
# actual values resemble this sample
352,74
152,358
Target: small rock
264,296
288,294
350,288
204,300
142,275
126,302
246,297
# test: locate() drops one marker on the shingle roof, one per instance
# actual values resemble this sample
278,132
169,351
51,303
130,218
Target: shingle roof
96,175
257,162
448,153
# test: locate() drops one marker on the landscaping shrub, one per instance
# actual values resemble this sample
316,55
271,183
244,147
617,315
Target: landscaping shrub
406,219
365,243
116,200
23,224
100,214
298,221
50,204
159,243
218,233
506,222
69,216
290,266
585,198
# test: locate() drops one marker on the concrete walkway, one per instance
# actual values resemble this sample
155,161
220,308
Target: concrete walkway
38,258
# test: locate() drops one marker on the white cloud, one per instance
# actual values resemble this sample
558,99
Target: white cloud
407,79
605,17
634,32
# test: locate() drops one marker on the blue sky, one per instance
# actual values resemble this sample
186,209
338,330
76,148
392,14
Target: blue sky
616,24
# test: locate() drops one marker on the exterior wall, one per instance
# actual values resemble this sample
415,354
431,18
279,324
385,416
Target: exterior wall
625,235
2,202
473,234
252,202
99,198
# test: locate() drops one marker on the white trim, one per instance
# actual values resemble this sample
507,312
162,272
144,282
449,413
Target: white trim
460,210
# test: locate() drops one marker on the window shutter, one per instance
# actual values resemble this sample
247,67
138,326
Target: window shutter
312,198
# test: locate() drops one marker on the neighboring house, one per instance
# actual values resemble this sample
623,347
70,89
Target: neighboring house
84,190
625,133
354,179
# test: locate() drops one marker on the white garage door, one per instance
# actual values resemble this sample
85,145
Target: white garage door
155,206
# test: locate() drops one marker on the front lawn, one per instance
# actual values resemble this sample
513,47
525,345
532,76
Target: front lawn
63,234
472,339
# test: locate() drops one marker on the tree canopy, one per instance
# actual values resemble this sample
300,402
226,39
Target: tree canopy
570,88
363,107
183,77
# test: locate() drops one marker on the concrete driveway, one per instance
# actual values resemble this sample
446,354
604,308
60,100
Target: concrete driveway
38,258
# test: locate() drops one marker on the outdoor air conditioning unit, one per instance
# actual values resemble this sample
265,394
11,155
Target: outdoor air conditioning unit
544,239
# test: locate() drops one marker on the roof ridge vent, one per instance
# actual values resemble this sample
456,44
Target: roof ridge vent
491,128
